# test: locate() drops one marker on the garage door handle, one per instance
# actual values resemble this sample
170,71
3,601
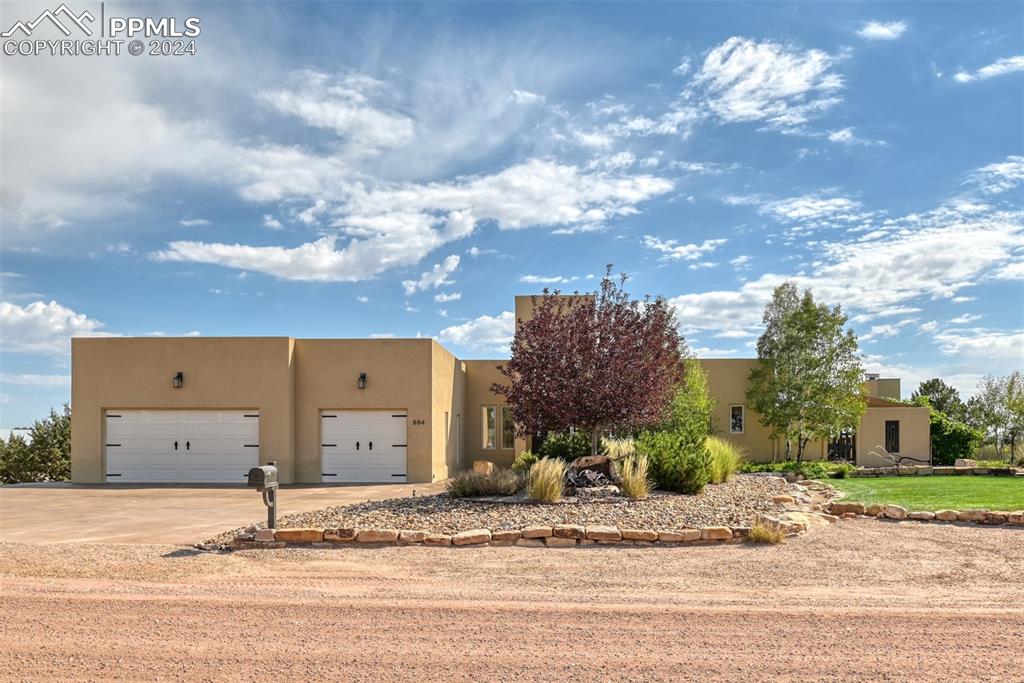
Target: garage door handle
175,445
371,445
357,445
188,446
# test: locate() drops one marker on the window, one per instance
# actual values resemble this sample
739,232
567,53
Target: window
892,436
447,431
508,428
736,419
490,426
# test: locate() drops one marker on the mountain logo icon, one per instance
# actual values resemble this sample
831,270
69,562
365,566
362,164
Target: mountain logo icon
28,27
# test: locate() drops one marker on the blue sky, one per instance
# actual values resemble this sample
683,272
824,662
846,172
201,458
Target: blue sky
334,170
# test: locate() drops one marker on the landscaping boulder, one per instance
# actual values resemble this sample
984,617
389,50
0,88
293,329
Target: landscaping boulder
921,516
536,531
1016,518
946,515
555,542
407,536
472,537
299,535
377,536
603,533
972,515
874,510
844,508
715,533
569,531
484,467
895,512
506,535
965,462
997,518
640,534
264,535
437,539
598,464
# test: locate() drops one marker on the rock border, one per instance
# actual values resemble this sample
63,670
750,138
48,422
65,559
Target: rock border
941,470
557,536
896,512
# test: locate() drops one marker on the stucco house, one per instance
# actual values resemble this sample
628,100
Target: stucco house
205,409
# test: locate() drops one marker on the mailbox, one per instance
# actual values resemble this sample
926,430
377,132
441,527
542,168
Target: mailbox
265,479
261,477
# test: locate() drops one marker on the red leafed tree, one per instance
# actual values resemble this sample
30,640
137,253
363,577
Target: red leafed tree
597,362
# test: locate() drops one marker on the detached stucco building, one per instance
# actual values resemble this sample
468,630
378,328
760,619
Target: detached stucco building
206,409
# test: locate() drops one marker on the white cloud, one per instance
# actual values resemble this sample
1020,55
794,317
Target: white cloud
343,106
879,30
36,380
444,298
394,225
547,280
674,251
740,262
999,177
382,335
929,327
931,255
271,222
702,265
998,68
363,299
743,81
683,68
1003,349
525,97
964,319
485,333
43,327
433,278
193,222
477,251
846,136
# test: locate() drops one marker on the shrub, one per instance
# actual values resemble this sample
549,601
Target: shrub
546,480
725,459
523,462
951,439
810,469
678,461
617,449
636,481
566,446
766,533
472,484
44,456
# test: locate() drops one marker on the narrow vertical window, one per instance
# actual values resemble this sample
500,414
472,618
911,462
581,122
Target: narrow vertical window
736,419
447,431
508,428
892,436
490,426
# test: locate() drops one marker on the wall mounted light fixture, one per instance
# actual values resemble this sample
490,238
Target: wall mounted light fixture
361,383
179,380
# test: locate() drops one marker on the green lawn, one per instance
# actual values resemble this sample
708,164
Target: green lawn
936,493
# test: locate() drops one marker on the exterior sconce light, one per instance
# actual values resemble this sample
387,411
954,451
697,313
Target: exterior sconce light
179,380
361,383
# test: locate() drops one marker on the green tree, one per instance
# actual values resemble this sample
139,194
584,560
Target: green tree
809,382
942,397
677,452
44,456
988,409
950,439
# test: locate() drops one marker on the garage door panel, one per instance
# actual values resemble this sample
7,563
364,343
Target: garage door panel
213,446
363,446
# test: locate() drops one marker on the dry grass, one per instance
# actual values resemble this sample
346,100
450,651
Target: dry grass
618,449
470,484
725,459
546,480
762,532
636,480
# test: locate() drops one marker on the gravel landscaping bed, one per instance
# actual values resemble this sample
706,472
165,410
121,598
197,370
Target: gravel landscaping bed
735,504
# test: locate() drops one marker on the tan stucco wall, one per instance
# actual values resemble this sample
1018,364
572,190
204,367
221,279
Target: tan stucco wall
135,373
914,434
448,387
480,376
398,377
888,388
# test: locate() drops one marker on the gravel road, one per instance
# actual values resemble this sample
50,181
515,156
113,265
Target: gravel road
862,600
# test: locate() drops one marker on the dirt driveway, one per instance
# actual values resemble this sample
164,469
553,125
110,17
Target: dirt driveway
861,601
55,513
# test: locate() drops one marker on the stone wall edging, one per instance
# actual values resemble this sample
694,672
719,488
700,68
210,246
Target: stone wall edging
897,512
556,536
941,470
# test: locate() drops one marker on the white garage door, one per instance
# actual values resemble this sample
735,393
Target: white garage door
362,445
201,446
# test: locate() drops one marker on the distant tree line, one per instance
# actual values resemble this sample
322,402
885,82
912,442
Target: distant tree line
43,455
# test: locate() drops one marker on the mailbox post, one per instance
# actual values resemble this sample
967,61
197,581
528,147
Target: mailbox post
264,479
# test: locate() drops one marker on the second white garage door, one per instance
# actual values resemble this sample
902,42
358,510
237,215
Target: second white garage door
367,446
